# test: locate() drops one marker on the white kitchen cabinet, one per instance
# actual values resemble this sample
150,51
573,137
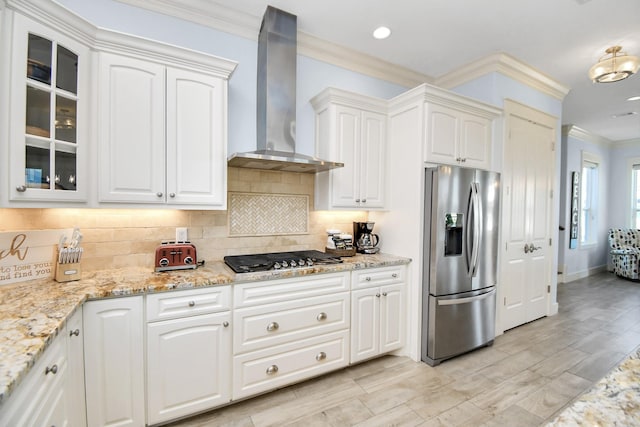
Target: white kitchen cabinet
351,129
43,396
289,330
48,114
189,355
76,402
114,361
162,133
377,311
456,137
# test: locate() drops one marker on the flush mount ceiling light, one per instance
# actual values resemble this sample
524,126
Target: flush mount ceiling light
614,66
381,33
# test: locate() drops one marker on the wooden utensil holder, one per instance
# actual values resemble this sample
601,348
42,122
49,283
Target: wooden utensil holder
68,272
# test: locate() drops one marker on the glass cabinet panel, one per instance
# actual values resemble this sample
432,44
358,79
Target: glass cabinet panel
51,113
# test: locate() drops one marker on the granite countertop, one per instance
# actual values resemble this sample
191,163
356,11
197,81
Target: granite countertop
32,313
613,401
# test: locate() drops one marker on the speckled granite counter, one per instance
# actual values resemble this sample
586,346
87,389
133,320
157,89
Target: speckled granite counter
613,401
32,313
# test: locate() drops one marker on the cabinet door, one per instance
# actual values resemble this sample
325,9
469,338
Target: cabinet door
346,180
131,130
188,365
74,334
475,141
196,139
442,133
392,316
48,115
373,156
114,364
365,324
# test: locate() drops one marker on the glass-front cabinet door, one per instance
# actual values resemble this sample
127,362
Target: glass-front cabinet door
49,129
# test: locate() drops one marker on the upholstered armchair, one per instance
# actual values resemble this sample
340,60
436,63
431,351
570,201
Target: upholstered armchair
625,252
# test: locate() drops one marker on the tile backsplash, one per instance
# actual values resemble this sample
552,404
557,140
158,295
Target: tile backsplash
116,238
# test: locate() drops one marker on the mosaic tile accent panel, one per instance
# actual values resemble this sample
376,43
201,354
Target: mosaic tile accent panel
252,214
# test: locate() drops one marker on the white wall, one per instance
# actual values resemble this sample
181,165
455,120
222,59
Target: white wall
620,179
582,261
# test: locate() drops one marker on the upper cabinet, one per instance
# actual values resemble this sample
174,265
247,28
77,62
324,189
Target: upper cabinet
162,133
100,118
48,114
457,137
351,129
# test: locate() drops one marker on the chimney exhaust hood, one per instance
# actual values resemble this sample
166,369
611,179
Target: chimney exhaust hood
276,111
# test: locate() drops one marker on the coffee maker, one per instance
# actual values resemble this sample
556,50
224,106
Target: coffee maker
366,241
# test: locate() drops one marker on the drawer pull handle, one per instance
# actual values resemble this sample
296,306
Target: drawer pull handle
225,324
273,326
272,370
75,332
394,275
192,303
384,294
368,279
322,316
53,370
321,356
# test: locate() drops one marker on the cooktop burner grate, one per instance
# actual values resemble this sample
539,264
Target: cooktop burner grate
279,260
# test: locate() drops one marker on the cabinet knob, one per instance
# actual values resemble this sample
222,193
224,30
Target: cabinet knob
321,356
357,200
273,326
225,324
384,294
53,370
272,370
192,303
377,295
364,200
75,332
321,316
159,194
172,194
21,188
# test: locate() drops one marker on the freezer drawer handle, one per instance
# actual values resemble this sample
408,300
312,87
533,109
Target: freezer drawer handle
466,300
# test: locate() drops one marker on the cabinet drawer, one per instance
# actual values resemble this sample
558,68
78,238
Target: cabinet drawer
278,366
265,326
169,305
378,276
271,291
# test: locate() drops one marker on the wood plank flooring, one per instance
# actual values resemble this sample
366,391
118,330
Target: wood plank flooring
530,374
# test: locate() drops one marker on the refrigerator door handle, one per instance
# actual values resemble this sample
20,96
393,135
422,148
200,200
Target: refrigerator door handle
456,301
477,228
468,249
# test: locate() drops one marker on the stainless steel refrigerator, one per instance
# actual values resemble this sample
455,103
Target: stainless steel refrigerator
460,260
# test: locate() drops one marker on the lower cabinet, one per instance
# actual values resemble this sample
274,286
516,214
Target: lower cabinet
114,362
52,394
377,312
188,357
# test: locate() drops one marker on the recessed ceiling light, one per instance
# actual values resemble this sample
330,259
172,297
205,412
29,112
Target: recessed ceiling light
629,113
381,33
634,98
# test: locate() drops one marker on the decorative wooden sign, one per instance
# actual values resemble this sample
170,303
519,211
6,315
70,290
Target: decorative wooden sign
29,255
575,209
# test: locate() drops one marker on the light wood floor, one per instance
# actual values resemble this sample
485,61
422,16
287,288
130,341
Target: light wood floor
524,379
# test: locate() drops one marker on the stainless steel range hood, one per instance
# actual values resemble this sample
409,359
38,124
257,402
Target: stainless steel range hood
276,127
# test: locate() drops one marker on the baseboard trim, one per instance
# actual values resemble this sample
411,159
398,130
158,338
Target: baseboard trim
570,277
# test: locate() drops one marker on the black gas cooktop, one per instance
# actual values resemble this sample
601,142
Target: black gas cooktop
279,261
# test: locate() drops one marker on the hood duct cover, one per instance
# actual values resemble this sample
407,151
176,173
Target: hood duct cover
276,111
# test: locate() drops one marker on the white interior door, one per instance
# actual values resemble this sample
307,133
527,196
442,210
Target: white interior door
529,166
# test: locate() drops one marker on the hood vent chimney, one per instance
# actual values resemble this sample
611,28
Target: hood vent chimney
276,110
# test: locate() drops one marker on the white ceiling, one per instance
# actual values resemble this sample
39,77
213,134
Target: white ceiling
560,38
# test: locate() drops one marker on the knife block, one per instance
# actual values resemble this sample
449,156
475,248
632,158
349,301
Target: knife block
68,272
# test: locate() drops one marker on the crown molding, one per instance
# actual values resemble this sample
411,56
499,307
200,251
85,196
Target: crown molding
576,132
509,66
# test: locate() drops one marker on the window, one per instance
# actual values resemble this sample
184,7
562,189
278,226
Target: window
635,194
589,200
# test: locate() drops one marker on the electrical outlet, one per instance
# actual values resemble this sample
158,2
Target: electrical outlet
181,234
